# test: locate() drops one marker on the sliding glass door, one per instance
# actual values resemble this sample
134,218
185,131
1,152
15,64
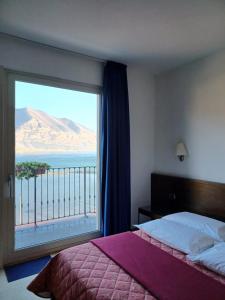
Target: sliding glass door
53,164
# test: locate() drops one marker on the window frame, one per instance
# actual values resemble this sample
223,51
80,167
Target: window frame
10,255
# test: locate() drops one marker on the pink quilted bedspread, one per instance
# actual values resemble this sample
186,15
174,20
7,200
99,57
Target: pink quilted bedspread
84,272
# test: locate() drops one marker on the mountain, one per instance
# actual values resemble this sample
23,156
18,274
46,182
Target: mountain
38,132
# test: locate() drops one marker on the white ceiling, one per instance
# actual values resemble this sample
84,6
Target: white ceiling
158,33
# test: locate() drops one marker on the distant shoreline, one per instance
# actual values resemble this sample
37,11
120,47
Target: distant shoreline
55,153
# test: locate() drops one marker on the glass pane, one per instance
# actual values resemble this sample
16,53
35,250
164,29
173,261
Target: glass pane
56,159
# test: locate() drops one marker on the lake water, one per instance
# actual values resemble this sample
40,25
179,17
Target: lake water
61,160
59,192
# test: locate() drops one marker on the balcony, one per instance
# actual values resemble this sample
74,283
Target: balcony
55,204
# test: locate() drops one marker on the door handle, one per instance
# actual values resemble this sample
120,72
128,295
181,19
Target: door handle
10,185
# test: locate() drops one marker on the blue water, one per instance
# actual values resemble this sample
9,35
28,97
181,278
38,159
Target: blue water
61,160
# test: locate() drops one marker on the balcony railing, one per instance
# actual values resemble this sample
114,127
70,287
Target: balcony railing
56,194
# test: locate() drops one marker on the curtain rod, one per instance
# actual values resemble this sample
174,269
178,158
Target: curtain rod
93,58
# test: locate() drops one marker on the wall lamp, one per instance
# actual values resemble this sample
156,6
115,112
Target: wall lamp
181,151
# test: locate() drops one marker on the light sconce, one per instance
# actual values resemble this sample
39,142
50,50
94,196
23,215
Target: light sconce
181,151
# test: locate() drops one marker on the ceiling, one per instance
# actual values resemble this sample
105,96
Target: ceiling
159,33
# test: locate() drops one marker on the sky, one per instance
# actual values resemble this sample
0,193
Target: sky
62,103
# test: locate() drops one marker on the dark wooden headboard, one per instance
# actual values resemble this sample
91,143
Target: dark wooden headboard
172,194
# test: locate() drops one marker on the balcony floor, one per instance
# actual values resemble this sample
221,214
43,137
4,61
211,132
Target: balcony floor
44,232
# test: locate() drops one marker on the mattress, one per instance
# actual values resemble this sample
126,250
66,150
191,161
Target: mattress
85,272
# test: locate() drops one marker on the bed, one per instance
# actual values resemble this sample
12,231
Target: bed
86,272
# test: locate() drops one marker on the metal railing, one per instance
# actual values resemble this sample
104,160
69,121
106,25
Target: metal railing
56,194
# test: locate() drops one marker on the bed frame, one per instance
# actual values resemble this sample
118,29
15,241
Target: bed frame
173,194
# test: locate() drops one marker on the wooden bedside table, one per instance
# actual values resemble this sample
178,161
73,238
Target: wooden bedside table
146,211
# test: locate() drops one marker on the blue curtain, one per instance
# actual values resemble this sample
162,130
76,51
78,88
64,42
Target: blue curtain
115,150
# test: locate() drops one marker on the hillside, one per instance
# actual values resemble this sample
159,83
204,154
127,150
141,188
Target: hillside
38,132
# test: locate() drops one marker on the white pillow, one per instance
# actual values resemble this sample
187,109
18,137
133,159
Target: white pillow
213,258
212,227
178,236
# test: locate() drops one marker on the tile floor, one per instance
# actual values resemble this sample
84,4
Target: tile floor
30,235
15,290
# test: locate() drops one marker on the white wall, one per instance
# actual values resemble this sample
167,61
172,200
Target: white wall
190,105
31,57
141,94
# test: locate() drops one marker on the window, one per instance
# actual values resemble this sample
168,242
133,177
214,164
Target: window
56,162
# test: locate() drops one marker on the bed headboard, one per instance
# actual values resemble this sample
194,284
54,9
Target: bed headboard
172,194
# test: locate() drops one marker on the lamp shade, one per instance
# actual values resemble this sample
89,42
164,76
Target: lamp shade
181,149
